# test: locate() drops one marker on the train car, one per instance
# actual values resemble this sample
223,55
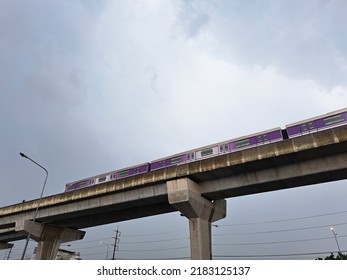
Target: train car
88,182
169,161
107,177
131,171
245,142
210,151
103,178
240,143
257,139
312,125
190,156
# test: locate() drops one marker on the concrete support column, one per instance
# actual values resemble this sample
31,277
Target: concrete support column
50,238
184,194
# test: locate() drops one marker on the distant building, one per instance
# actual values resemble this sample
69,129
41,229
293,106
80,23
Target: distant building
67,255
62,255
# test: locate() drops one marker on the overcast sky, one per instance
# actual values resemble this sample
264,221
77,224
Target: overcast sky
92,86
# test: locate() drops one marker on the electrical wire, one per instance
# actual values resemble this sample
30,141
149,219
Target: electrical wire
284,220
276,242
282,230
276,255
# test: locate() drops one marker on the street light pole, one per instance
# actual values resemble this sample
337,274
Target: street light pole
38,204
108,245
335,235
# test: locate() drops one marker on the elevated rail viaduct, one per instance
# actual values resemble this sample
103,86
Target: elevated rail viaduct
197,189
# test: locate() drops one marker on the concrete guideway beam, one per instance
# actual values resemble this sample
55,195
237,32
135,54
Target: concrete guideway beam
50,238
184,194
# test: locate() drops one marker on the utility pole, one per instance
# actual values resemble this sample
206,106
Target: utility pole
8,254
116,241
337,243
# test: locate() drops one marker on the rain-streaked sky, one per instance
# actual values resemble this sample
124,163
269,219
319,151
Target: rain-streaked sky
89,86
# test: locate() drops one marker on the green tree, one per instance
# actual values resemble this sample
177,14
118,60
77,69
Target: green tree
339,256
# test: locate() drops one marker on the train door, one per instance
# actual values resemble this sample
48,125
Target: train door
224,148
262,139
307,128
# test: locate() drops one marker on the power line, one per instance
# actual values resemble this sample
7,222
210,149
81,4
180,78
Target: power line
244,233
284,220
230,225
229,244
282,230
154,250
154,241
278,255
133,235
219,244
157,233
276,242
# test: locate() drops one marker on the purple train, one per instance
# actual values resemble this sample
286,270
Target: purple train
333,119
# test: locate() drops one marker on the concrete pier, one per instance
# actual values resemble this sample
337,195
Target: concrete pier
50,238
185,195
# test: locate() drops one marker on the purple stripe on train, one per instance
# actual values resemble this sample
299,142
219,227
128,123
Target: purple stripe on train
317,125
80,185
132,171
175,160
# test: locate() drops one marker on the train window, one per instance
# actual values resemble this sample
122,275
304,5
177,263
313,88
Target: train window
221,148
83,184
334,119
207,152
102,179
176,160
124,173
243,143
260,139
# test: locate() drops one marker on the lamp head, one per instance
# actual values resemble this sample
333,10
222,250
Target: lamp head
23,155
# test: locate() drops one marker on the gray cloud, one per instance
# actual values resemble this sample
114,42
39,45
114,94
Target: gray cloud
92,86
297,38
192,18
